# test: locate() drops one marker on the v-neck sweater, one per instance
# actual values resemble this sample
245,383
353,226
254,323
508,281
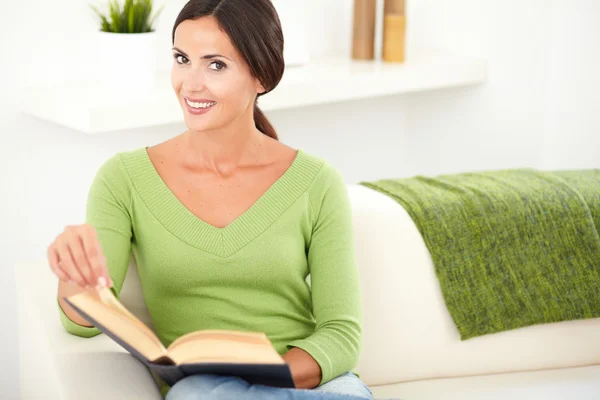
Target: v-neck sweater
250,275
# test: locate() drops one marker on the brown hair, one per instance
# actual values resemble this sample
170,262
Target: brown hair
255,30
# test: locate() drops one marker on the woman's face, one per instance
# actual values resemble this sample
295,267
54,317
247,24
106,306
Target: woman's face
210,78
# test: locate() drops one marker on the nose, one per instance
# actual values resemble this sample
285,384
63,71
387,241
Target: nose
195,80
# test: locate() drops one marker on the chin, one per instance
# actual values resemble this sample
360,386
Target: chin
197,126
201,122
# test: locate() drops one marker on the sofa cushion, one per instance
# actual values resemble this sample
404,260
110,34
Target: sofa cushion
559,384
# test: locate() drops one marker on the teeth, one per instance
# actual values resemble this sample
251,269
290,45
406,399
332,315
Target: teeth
200,105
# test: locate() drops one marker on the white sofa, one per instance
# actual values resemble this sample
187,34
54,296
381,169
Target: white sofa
411,349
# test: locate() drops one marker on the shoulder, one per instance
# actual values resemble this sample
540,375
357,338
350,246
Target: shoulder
119,163
111,166
325,173
113,174
327,183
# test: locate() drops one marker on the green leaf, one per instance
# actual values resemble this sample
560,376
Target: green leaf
104,25
96,11
115,16
128,16
151,24
131,20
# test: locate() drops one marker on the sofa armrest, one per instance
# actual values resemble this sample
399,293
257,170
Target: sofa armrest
114,375
53,364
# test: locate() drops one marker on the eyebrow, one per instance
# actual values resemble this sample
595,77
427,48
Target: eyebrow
205,57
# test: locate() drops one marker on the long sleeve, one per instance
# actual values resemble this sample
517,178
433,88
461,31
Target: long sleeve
335,289
108,205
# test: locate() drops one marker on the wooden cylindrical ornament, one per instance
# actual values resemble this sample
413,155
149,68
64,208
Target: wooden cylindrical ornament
394,31
363,33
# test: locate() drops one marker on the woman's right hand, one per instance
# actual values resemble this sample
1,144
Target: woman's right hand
76,257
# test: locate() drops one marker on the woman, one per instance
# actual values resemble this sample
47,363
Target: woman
226,222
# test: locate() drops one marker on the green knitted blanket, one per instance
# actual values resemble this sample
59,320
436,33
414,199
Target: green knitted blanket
511,248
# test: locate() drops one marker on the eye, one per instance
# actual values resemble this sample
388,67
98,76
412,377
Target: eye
217,66
181,59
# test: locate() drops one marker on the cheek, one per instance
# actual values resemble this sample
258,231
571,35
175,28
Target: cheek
230,88
176,78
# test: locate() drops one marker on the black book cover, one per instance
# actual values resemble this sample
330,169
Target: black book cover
276,375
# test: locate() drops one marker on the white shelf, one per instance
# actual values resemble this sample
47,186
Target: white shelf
92,109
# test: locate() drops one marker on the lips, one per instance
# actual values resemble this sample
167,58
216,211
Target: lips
198,106
193,100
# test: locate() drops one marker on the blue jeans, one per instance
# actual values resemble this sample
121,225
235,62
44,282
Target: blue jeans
213,387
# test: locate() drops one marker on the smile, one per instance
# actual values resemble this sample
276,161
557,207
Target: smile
200,105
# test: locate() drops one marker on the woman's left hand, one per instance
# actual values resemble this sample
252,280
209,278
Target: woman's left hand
305,370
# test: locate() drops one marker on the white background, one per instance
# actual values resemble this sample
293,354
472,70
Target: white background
539,108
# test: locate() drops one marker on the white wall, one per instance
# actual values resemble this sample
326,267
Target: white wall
537,109
572,134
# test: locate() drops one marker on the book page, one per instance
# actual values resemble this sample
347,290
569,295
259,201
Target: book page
121,324
250,337
225,348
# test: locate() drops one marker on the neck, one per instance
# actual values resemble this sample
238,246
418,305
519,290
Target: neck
224,150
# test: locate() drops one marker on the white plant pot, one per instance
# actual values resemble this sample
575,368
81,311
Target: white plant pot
294,23
126,60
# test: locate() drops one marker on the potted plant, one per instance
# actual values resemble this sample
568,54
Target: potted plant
126,43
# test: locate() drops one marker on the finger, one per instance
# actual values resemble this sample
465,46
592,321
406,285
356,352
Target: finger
54,264
65,264
81,262
68,265
52,255
95,257
60,274
69,278
87,268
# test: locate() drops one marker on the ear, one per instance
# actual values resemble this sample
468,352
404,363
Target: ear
259,87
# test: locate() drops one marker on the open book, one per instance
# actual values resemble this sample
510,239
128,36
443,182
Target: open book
248,355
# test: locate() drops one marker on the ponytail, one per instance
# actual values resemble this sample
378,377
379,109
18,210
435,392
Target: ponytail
263,124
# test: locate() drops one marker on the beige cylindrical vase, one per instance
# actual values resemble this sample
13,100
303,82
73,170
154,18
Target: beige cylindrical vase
394,31
363,33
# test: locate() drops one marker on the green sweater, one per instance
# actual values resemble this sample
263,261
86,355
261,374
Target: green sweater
250,275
